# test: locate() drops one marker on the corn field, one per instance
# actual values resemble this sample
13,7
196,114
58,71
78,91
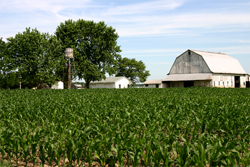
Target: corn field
126,127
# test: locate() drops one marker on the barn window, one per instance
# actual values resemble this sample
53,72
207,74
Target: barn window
146,85
189,53
120,86
157,85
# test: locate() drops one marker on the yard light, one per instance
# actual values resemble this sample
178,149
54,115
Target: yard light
69,55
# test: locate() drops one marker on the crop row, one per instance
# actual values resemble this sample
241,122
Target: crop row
126,127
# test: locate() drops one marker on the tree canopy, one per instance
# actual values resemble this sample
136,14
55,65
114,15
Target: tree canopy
35,56
39,57
95,48
132,69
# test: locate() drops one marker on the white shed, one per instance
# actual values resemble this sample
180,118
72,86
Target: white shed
111,82
58,85
153,83
208,69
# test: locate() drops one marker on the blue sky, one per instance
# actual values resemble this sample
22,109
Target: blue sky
154,31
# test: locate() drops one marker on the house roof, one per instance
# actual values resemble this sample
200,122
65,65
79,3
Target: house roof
109,80
189,77
153,81
221,62
78,85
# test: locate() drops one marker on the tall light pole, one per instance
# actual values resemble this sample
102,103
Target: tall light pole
20,79
69,55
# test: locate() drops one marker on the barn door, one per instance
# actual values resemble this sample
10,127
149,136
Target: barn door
236,81
188,84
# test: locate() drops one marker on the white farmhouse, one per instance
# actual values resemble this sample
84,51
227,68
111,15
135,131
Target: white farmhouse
111,82
207,69
153,83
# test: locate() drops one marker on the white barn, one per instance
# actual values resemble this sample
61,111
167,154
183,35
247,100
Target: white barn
206,69
153,83
111,82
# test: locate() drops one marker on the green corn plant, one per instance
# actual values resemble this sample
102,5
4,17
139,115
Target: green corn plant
51,153
16,150
147,155
182,154
135,157
42,155
166,156
79,152
88,154
156,156
34,152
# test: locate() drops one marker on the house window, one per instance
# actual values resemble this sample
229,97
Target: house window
128,85
157,85
146,85
120,86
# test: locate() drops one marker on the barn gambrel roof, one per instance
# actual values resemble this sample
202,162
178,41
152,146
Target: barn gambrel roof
221,62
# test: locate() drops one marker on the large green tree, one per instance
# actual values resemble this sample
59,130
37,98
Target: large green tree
132,69
95,48
36,56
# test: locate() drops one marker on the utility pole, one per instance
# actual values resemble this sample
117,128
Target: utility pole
69,76
20,81
69,54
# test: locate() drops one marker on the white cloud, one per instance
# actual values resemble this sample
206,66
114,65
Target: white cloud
152,51
38,5
181,24
145,7
233,50
132,20
161,63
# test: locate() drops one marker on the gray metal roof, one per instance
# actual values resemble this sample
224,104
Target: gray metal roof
153,81
221,62
189,77
109,80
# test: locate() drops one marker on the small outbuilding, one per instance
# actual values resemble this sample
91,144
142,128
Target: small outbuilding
153,83
77,86
206,69
58,85
111,82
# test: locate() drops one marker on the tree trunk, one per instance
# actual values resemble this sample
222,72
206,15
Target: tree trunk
87,84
